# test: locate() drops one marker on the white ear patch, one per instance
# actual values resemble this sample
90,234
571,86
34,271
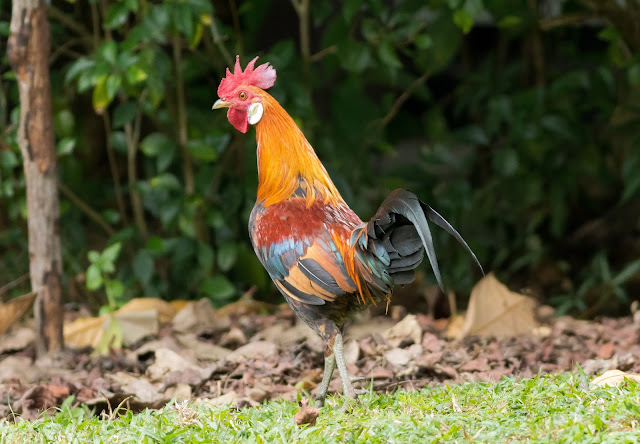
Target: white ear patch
255,112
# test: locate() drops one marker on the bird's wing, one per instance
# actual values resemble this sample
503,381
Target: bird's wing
309,270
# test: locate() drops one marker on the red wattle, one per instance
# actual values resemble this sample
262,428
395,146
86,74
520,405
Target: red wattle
239,119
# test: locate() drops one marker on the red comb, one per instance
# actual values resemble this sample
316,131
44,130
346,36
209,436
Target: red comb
264,76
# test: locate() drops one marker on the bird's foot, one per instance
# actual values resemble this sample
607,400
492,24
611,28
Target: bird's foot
320,400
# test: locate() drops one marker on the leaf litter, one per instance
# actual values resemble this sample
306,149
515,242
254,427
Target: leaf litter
248,352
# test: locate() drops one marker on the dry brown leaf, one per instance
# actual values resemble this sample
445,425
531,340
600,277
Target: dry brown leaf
194,316
168,361
253,350
179,304
84,332
456,323
14,309
614,377
204,351
306,414
408,328
165,310
494,310
245,306
17,339
226,399
139,387
136,324
179,392
18,368
351,351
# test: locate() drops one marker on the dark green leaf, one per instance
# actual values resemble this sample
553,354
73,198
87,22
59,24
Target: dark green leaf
218,288
123,114
116,15
143,266
226,255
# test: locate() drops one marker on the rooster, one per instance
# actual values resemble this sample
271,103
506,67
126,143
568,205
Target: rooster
326,262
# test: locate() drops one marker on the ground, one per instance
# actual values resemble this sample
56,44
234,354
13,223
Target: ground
245,357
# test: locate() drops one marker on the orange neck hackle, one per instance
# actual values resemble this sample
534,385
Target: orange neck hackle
286,160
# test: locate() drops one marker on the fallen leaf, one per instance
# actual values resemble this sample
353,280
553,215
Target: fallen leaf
455,326
204,351
496,311
17,339
136,325
234,338
306,414
253,350
614,377
408,328
398,357
194,316
179,304
244,306
14,309
165,310
19,368
351,351
429,360
258,394
226,399
140,388
168,361
178,392
476,365
84,332
606,351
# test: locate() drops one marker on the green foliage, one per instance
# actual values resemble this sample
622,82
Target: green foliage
520,127
550,408
99,272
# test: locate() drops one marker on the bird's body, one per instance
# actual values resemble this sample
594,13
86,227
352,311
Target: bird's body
321,256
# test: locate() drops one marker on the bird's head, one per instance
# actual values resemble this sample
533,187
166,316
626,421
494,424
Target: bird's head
242,92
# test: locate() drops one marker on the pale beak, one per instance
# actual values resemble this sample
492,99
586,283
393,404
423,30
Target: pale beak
221,104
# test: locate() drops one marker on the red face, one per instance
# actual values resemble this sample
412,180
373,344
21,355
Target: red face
238,103
239,90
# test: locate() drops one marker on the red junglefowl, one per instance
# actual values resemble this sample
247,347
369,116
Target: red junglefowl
326,262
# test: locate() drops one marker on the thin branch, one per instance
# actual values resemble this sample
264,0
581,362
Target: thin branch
187,166
14,283
302,9
133,137
395,108
217,40
95,24
323,52
237,29
549,23
104,7
115,172
69,22
85,208
64,49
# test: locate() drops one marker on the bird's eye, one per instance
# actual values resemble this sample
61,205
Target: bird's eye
242,95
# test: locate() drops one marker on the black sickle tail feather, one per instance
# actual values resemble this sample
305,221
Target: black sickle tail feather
396,239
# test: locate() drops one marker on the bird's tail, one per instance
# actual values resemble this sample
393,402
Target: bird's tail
391,245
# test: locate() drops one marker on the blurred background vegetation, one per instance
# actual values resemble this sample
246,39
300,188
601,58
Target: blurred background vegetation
518,120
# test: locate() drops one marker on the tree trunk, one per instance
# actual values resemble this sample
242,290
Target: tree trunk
28,52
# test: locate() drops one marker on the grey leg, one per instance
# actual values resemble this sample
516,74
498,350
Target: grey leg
329,367
338,351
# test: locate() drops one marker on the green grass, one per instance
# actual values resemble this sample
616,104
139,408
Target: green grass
552,408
